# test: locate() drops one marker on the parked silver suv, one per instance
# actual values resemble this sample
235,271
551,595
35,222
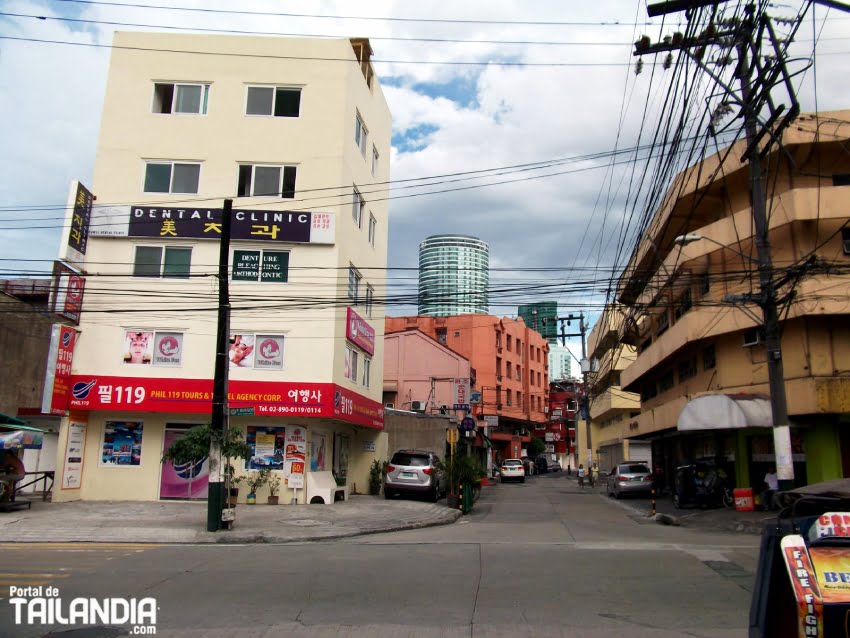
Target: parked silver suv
415,472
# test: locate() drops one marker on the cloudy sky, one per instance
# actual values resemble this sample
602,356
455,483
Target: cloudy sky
526,102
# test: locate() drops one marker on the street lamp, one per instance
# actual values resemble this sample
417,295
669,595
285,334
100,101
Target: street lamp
690,238
775,372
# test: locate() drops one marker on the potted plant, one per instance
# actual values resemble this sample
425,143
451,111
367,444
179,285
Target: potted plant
460,471
232,483
273,481
254,482
376,476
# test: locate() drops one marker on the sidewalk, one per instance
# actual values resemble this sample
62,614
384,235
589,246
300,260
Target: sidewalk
186,522
723,519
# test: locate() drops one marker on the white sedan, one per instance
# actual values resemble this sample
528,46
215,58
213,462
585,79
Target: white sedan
512,469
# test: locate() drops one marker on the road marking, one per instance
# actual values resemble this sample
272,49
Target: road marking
78,547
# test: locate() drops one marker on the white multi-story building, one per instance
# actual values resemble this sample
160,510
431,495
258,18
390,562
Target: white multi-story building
561,363
454,276
297,133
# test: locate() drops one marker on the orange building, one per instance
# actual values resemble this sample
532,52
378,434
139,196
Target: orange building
509,367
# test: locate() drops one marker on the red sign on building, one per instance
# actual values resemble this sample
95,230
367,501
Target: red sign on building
57,381
194,396
360,333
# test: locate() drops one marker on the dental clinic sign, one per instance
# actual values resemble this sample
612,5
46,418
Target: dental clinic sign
360,333
42,606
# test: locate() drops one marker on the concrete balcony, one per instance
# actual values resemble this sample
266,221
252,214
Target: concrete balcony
614,399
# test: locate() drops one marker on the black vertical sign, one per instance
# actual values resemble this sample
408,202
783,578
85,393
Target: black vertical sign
79,235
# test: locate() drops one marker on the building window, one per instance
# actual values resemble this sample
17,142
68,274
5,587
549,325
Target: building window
499,367
841,179
268,266
190,99
508,344
370,299
666,381
539,379
373,224
519,400
256,180
274,101
663,323
358,207
367,370
518,373
172,177
508,396
351,364
161,261
687,369
709,358
375,157
845,239
442,335
704,284
354,278
361,135
683,305
649,391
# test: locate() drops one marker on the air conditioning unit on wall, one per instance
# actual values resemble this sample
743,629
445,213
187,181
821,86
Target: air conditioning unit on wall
417,406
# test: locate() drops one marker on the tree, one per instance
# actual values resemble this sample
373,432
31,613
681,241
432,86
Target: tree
536,447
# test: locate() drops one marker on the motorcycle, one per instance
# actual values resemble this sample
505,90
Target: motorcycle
702,484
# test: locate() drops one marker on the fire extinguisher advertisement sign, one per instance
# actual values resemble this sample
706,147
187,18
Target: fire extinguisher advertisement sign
805,586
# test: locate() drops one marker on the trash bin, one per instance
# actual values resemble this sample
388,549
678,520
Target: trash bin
743,499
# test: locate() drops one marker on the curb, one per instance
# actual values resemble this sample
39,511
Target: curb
225,537
263,538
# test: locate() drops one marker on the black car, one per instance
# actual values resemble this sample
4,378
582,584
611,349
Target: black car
541,465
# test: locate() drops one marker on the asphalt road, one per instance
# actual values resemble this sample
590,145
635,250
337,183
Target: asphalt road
539,558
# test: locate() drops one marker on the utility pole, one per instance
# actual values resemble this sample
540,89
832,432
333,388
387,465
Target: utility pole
754,95
585,407
216,496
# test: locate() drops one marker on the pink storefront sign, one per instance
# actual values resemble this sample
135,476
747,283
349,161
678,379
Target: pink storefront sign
360,333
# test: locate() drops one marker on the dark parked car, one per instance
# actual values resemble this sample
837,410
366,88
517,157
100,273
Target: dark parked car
415,472
541,464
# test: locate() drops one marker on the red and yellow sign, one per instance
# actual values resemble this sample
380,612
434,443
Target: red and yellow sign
805,585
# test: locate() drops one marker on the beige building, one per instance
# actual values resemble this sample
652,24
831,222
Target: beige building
700,368
612,409
297,133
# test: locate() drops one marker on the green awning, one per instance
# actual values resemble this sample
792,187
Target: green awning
5,419
14,423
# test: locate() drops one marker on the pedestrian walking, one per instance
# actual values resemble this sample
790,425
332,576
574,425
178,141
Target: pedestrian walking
771,483
581,474
594,474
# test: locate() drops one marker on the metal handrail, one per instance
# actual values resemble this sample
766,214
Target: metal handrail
42,476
